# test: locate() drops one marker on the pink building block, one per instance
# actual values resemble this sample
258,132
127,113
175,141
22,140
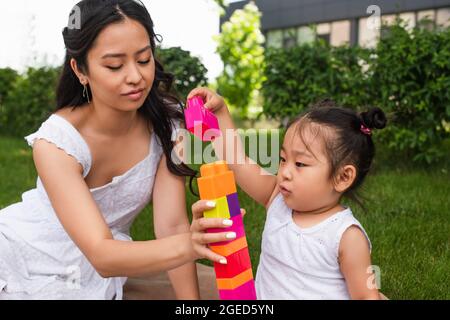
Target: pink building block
245,292
200,121
238,227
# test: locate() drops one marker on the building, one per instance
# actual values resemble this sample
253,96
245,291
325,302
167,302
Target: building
355,22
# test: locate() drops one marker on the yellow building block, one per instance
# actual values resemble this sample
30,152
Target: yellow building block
220,211
216,181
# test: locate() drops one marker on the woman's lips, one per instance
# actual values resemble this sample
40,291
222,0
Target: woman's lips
135,95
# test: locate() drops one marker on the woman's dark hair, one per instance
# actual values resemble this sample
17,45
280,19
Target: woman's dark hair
160,108
347,137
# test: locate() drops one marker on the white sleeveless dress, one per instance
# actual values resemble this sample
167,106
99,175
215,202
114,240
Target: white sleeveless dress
302,263
38,260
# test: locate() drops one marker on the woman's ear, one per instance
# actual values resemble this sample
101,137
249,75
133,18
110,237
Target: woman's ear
79,74
345,178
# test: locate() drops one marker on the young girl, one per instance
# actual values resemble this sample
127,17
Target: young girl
101,158
312,246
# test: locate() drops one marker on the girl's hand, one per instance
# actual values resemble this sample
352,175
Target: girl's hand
200,238
213,102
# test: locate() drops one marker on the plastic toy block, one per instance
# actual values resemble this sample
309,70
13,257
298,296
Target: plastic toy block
200,121
245,292
237,281
238,227
216,181
237,263
220,211
230,248
233,205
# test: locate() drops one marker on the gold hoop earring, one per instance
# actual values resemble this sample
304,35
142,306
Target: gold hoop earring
86,93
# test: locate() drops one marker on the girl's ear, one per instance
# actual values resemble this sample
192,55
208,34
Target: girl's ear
345,178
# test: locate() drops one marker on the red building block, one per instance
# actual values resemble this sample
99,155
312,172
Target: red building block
238,262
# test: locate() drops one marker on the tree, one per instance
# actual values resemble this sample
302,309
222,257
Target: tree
188,70
7,78
240,46
29,102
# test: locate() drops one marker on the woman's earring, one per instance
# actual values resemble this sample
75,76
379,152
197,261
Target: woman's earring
86,93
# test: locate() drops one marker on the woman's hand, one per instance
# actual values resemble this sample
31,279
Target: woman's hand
213,102
200,238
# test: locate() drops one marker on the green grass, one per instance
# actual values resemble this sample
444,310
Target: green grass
407,218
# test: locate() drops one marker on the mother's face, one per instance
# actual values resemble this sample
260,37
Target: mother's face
119,62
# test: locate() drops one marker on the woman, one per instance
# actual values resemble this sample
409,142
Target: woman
101,157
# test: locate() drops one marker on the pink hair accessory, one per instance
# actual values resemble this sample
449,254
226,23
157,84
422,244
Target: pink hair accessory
365,130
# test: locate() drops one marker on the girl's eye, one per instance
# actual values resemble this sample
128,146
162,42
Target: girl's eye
300,164
114,68
282,159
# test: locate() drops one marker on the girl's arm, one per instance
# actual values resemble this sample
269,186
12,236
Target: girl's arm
78,213
354,259
254,180
170,218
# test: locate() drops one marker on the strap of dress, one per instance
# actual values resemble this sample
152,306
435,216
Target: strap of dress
61,133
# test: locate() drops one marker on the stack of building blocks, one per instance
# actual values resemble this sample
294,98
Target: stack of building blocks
200,121
234,279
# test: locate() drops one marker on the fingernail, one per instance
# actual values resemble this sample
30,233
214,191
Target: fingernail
227,222
231,235
211,204
223,261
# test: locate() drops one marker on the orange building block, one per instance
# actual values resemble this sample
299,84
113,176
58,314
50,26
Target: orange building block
232,283
216,181
231,247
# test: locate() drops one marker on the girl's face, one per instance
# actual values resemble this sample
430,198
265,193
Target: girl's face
121,62
304,176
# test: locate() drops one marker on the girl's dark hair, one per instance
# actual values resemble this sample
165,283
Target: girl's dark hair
348,142
160,108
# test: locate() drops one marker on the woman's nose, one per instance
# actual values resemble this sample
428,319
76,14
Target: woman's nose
134,76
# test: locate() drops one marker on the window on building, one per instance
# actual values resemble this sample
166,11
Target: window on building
274,38
369,32
340,33
305,34
386,22
323,31
443,17
289,38
426,19
409,18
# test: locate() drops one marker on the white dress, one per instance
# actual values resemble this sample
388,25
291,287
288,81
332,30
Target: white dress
302,263
38,260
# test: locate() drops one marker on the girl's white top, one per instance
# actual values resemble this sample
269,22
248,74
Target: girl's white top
38,259
302,263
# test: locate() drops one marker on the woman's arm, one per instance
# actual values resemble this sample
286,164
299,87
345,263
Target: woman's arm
78,213
170,218
354,259
254,180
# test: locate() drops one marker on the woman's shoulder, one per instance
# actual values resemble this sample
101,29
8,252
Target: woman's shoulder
59,130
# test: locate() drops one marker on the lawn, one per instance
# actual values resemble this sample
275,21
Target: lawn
407,219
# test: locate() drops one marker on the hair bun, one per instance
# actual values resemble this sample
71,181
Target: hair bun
374,118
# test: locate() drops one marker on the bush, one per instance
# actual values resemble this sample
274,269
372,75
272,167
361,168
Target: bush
407,75
29,101
411,80
7,78
188,70
299,76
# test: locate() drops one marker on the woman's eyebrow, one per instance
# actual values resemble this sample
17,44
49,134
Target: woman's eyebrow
119,55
